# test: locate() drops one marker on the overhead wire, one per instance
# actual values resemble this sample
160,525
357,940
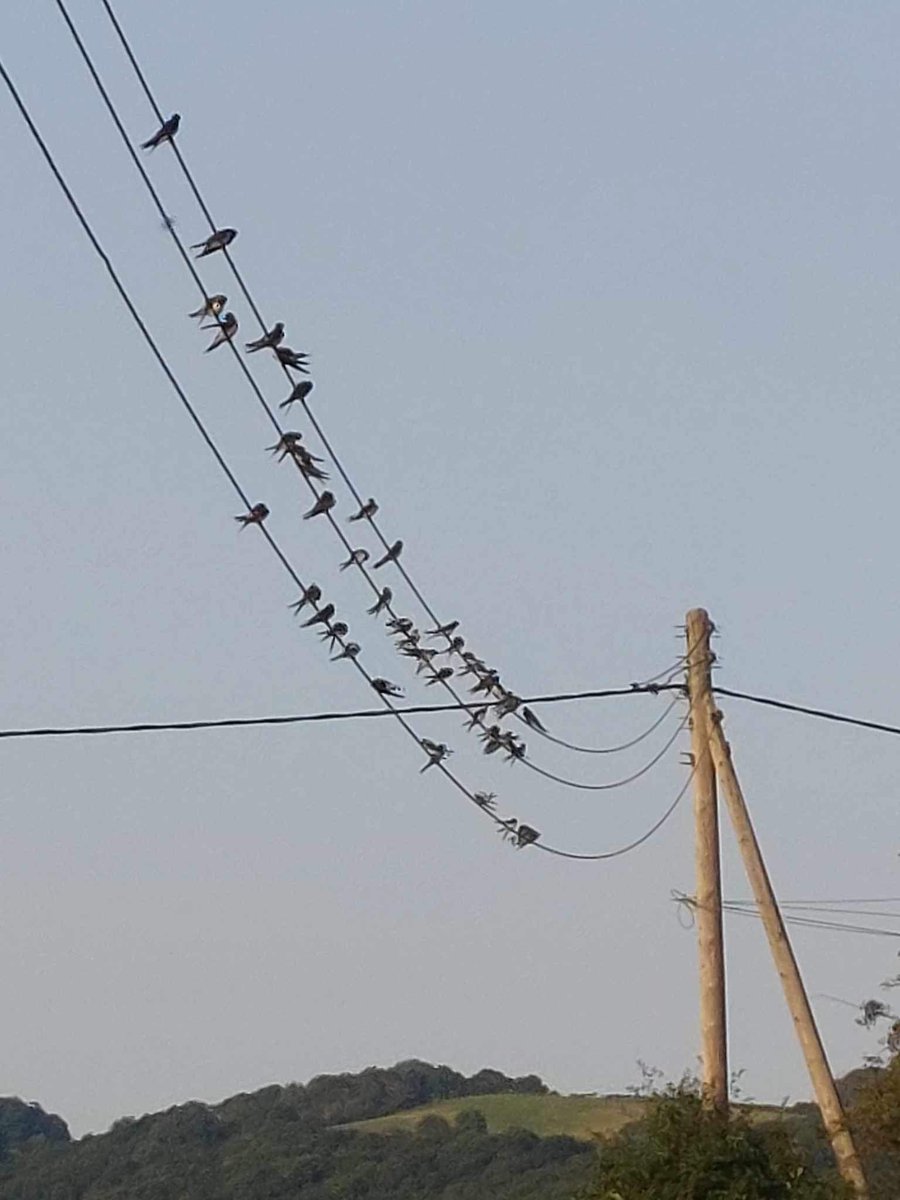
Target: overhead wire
290,719
314,422
821,713
742,909
197,421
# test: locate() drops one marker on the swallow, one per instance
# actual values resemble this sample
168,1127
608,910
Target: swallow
300,392
525,835
515,752
385,596
492,739
309,595
485,800
322,617
351,650
307,464
410,643
286,444
440,676
294,359
436,751
212,307
334,634
324,504
444,630
486,683
474,665
268,340
476,717
424,657
165,133
455,646
530,719
366,512
389,555
227,330
384,687
509,829
356,559
399,624
216,241
255,516
508,704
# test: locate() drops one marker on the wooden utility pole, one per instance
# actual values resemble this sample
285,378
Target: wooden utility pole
795,993
710,944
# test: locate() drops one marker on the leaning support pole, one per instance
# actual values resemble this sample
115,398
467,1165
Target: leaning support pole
710,943
795,993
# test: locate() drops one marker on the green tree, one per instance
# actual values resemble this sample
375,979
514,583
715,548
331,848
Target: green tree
682,1151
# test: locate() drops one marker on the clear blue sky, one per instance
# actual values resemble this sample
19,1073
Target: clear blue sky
602,302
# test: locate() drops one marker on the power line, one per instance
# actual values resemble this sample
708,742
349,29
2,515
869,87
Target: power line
507,826
448,687
293,719
822,713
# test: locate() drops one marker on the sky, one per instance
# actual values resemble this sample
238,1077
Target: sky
601,302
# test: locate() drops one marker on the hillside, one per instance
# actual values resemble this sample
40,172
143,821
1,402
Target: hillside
583,1117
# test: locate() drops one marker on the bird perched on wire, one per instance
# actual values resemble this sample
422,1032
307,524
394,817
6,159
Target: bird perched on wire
308,463
399,624
477,716
216,241
507,704
268,340
440,676
384,687
227,329
324,504
255,516
530,719
322,617
286,443
485,800
165,133
436,751
295,359
474,664
356,559
486,683
338,630
300,392
444,630
492,738
309,595
525,835
212,307
389,555
508,829
366,512
385,596
455,647
350,650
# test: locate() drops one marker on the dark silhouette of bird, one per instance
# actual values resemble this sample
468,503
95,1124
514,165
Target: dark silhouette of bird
165,133
486,683
385,596
286,443
356,559
295,359
444,630
440,676
455,647
399,624
216,241
351,650
324,504
212,307
507,704
227,330
530,719
308,463
389,555
333,635
300,392
436,751
525,835
384,687
268,340
255,516
485,800
367,511
476,717
309,595
322,617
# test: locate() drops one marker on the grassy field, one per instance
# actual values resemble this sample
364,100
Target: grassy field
583,1117
587,1117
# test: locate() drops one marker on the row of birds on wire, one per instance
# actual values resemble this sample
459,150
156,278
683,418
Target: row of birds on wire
495,701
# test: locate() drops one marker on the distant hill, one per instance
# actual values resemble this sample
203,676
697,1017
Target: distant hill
282,1143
